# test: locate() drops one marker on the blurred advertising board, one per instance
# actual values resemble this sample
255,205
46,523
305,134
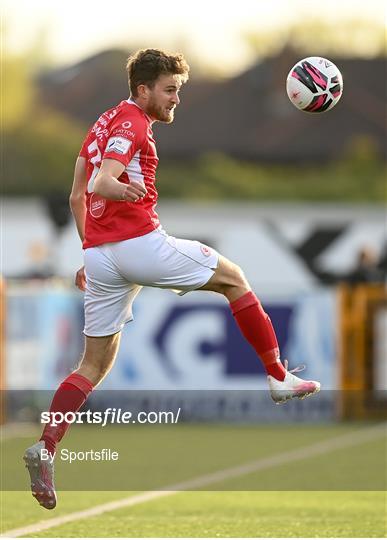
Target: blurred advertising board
189,343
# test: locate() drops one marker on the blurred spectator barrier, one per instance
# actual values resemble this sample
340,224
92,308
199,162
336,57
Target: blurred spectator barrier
2,349
363,350
188,343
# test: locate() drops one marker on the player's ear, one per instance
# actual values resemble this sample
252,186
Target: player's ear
142,91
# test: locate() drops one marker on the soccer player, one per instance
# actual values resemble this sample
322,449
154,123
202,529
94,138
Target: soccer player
113,201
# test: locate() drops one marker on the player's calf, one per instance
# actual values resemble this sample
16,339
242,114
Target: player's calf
255,325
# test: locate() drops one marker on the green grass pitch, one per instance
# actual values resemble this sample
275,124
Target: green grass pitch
237,508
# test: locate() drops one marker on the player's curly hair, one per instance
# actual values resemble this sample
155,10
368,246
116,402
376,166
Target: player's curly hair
146,65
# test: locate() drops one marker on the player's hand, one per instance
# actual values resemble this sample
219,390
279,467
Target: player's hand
133,192
80,279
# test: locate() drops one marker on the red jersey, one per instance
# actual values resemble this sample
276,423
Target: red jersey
123,133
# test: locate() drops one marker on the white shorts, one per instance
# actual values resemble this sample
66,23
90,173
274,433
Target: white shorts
117,271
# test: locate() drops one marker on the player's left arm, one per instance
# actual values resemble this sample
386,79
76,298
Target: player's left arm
108,186
121,146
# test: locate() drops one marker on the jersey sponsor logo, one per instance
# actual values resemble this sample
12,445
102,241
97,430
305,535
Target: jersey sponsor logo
126,124
118,145
124,133
97,205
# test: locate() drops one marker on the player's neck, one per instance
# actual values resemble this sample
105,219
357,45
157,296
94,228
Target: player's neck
137,102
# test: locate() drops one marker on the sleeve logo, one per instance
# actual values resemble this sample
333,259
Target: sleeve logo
118,145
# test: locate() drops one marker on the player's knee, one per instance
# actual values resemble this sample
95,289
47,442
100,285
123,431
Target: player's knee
233,278
240,279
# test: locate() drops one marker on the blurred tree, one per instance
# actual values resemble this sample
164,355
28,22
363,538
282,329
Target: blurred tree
350,37
39,154
359,176
39,145
17,91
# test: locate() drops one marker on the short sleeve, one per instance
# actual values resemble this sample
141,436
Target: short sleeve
83,150
125,139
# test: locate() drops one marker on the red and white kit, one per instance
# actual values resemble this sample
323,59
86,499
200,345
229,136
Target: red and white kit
125,246
124,134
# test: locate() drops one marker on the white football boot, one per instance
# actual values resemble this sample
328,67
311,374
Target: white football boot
291,386
42,476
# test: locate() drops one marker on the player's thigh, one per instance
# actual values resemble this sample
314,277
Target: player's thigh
160,260
108,297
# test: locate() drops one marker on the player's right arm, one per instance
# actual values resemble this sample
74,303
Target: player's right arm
108,186
78,196
78,209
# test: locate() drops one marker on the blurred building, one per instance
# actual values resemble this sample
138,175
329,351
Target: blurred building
247,117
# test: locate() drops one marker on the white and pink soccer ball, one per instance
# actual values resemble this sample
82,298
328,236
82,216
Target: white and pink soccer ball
314,85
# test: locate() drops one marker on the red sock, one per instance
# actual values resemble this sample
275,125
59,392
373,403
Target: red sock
256,327
69,397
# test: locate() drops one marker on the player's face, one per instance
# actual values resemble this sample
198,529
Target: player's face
163,98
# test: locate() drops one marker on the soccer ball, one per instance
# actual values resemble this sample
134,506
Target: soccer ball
314,85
